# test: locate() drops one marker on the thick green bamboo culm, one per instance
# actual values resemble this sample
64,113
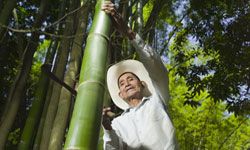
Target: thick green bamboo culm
86,119
35,112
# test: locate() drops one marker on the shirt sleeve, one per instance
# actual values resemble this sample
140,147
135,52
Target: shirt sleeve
155,67
112,141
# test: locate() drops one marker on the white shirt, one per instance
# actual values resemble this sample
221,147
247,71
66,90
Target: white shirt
146,126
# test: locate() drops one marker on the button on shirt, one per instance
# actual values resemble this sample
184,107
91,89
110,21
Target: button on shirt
146,126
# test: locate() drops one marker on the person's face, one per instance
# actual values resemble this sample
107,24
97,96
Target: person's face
130,87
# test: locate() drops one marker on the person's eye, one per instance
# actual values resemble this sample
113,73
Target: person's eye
130,79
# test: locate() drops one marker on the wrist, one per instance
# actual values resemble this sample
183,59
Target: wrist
107,127
130,34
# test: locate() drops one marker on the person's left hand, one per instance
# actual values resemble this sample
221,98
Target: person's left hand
107,116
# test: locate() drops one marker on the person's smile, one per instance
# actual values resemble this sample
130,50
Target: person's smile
130,89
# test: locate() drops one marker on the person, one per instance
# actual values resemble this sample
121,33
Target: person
141,90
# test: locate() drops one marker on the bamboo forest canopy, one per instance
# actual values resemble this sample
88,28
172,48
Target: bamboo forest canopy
205,45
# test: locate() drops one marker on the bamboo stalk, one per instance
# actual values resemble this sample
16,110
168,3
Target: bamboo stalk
34,113
86,120
61,120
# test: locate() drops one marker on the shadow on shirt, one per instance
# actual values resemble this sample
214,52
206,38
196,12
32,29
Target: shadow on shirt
126,147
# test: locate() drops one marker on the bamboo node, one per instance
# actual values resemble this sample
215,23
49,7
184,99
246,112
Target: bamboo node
72,148
90,81
100,34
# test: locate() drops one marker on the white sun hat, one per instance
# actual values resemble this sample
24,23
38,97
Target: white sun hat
115,71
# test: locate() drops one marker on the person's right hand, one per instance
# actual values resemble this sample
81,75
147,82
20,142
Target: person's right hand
109,8
107,116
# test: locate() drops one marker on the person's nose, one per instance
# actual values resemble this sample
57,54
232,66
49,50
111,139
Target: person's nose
127,83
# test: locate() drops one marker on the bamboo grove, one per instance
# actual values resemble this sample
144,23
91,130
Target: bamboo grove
54,56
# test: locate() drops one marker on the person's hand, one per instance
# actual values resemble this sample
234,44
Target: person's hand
117,20
107,115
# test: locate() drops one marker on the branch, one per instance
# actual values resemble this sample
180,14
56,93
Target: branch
46,69
158,5
41,28
230,134
62,36
180,63
205,125
171,35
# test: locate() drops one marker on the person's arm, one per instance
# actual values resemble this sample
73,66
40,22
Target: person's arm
153,63
148,56
111,141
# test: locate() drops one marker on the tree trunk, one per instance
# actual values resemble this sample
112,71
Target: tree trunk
1,4
20,81
151,22
54,46
4,16
20,36
61,119
34,113
60,69
86,120
39,133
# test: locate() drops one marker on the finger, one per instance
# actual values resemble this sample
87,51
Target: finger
108,6
107,11
106,109
110,114
104,7
113,12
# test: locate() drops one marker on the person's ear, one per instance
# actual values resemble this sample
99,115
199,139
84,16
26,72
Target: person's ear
120,94
143,84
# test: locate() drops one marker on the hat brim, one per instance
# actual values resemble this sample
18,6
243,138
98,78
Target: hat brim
115,71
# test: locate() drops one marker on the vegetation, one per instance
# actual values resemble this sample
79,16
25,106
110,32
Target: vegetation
205,46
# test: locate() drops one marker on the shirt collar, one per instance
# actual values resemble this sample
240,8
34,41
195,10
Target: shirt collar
144,99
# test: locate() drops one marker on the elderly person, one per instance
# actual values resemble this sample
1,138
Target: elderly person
141,90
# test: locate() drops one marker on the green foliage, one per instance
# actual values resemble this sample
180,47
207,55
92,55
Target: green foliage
209,81
36,71
207,126
38,60
40,54
222,29
147,10
14,136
